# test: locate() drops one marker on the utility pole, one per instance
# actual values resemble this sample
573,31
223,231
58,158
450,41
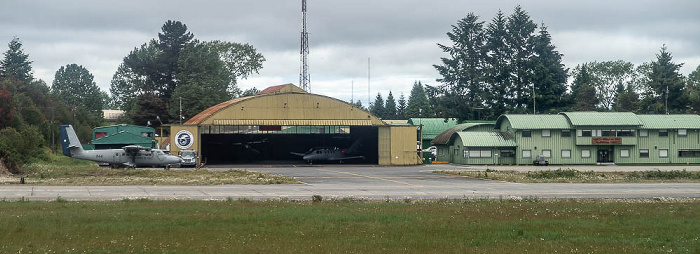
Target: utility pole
368,88
180,110
534,103
304,76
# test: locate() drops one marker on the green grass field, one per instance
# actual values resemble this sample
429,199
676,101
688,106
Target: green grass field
565,175
443,226
61,170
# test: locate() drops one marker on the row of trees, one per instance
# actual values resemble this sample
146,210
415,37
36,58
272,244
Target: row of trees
417,105
153,77
511,66
30,110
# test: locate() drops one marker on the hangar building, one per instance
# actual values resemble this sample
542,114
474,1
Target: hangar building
575,138
284,119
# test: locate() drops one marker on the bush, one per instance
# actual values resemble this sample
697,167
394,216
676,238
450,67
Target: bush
550,174
18,148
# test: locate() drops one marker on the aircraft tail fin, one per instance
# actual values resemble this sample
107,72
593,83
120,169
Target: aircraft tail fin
354,148
69,141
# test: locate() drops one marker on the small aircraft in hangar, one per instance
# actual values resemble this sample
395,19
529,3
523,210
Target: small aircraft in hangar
331,153
129,156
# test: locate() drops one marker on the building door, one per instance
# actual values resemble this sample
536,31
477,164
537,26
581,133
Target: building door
604,156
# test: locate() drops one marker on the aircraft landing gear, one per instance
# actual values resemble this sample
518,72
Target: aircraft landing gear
167,167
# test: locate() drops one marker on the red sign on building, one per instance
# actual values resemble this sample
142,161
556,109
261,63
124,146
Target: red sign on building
607,141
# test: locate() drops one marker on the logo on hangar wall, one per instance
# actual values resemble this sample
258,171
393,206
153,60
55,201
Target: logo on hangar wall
184,139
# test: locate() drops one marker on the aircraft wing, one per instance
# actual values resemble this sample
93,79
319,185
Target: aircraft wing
132,150
297,154
345,158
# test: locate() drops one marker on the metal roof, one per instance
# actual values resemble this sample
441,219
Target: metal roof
485,139
530,122
602,118
433,126
669,121
294,122
197,119
444,137
123,137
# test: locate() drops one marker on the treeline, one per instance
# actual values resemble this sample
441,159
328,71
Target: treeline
30,110
511,66
149,85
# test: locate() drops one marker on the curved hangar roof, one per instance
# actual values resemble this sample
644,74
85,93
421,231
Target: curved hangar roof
285,105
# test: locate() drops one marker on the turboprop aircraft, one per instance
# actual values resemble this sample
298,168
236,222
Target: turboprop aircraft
129,156
331,153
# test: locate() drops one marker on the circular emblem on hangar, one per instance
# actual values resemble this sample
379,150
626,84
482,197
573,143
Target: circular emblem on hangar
184,139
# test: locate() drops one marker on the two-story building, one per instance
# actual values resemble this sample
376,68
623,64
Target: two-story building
576,138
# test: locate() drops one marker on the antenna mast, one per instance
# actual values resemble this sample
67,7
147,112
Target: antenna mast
304,77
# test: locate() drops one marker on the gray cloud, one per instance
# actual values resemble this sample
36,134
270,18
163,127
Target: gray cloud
399,36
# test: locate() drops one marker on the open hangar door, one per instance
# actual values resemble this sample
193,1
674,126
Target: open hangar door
275,144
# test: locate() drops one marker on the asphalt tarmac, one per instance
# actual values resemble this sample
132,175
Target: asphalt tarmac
360,182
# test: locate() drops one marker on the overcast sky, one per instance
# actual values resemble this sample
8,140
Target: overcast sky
399,36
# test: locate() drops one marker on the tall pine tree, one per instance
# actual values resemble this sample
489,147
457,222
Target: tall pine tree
666,84
390,107
498,72
463,72
549,74
401,108
377,107
520,35
418,104
16,63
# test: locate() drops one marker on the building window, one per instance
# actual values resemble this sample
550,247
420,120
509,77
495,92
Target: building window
625,133
526,133
527,154
466,153
480,153
586,153
689,153
624,153
508,154
663,153
546,133
586,133
663,133
643,133
607,133
566,153
547,153
643,153
566,133
682,132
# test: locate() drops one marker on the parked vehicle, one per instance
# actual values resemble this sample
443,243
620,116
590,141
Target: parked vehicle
189,158
540,160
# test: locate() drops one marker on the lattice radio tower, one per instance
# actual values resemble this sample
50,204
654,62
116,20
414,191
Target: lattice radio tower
304,76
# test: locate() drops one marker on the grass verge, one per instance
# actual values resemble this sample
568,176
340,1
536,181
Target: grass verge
567,175
442,226
61,170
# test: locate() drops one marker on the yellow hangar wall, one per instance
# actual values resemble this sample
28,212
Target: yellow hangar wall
396,144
